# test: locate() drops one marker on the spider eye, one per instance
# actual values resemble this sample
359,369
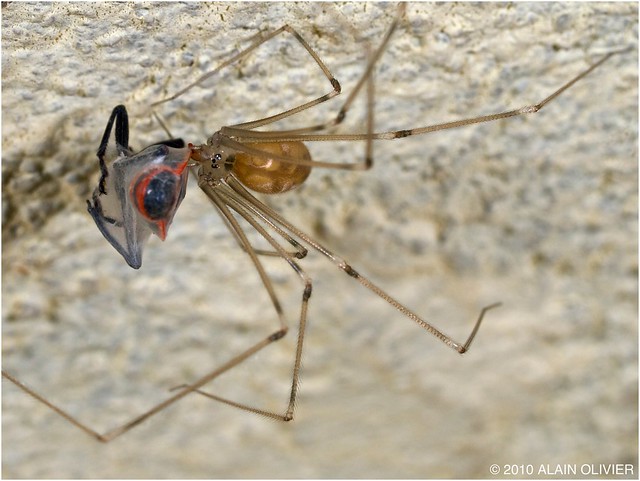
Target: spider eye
156,193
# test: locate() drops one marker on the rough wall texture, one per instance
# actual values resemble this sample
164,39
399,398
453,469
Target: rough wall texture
538,212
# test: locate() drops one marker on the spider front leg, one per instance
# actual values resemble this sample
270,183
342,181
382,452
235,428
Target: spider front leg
227,200
342,264
221,200
239,139
257,123
366,77
120,430
299,252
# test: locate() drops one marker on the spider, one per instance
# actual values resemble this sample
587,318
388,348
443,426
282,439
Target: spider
139,193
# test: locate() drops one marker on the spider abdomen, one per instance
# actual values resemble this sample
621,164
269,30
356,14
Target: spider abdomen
269,175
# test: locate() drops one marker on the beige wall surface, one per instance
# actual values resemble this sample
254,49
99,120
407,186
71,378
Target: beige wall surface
537,212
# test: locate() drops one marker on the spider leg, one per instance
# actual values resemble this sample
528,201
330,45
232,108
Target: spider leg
118,431
240,138
342,264
226,198
335,85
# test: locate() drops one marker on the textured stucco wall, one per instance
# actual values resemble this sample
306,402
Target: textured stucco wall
539,213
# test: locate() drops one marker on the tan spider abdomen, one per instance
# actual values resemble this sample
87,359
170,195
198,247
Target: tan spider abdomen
272,176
